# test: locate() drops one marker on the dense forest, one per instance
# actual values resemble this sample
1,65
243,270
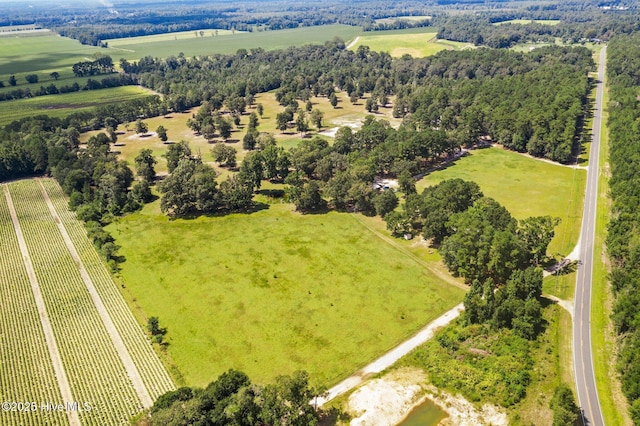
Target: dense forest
623,244
587,25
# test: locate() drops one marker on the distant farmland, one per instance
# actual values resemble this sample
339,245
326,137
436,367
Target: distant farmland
64,104
225,42
42,55
417,42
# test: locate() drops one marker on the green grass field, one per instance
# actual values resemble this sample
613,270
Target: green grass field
417,42
67,103
170,37
41,55
526,187
274,291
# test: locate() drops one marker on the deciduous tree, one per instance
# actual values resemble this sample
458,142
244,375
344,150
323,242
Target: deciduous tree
145,162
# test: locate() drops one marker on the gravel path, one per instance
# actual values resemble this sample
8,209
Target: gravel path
391,357
132,371
54,353
352,43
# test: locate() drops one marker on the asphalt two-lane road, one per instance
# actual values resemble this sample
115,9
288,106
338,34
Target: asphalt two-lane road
582,346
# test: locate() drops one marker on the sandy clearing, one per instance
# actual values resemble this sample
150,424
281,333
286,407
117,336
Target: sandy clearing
388,400
464,413
120,347
140,137
565,304
52,345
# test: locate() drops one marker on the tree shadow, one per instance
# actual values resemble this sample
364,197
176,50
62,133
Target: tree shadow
564,267
272,193
255,207
332,416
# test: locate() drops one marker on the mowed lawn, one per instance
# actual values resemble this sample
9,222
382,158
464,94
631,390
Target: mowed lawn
274,291
417,42
526,187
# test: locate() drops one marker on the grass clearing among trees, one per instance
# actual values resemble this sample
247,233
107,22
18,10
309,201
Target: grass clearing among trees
530,21
417,42
274,291
526,187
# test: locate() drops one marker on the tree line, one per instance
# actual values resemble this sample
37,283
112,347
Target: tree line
232,399
623,71
54,89
479,240
586,23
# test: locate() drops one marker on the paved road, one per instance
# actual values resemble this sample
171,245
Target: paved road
582,347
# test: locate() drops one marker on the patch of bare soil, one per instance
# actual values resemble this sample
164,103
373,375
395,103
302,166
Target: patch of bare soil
386,401
141,136
389,399
463,413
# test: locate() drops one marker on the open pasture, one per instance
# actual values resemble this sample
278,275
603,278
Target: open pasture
417,42
275,291
526,187
169,37
64,104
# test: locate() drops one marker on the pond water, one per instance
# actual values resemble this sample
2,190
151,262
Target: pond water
425,414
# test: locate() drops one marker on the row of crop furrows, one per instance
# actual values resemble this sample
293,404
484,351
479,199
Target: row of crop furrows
154,375
26,372
96,373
